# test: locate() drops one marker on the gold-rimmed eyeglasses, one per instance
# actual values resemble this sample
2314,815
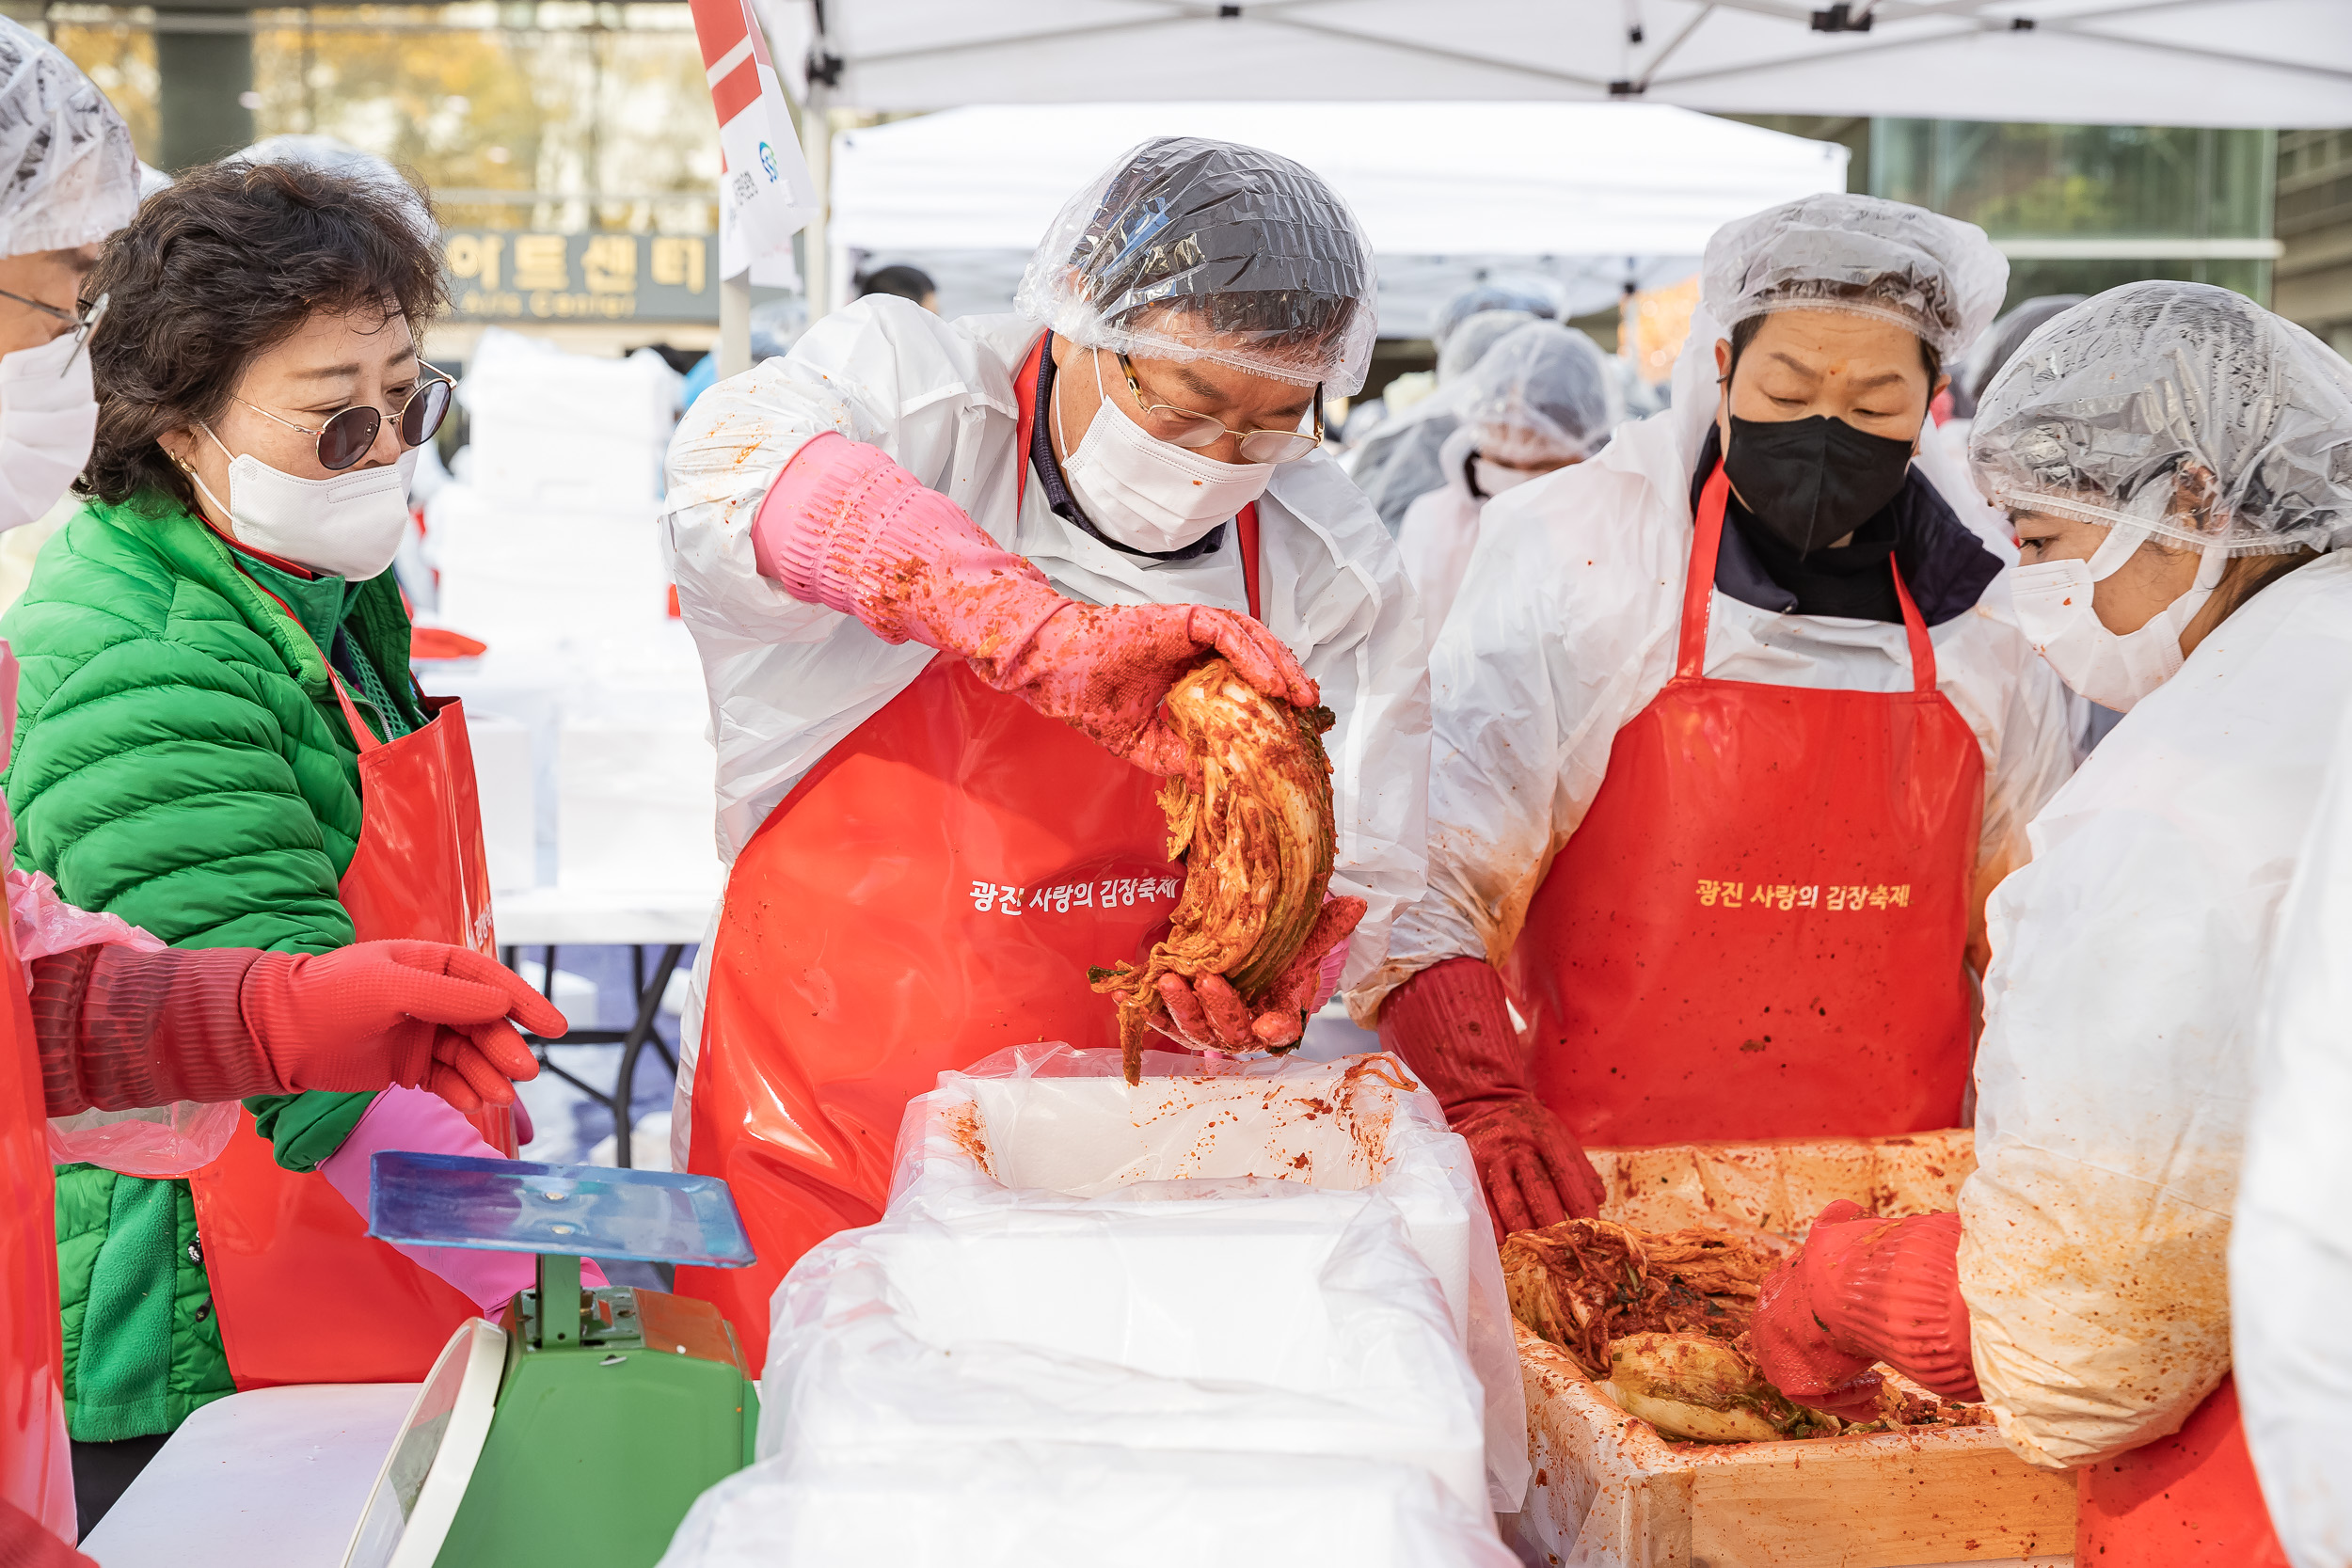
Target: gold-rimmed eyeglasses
1197,430
347,433
85,321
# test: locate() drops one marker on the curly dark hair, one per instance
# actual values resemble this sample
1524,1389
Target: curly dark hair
227,262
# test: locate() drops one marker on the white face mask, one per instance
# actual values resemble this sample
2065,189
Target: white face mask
349,526
2112,669
1494,478
48,418
1146,493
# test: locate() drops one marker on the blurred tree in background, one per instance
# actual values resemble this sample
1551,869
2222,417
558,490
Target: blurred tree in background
593,115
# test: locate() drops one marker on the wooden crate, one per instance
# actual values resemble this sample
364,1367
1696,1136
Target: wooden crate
1610,1493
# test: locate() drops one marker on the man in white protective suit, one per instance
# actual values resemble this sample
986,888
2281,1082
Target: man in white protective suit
1733,729
2177,461
1541,398
941,575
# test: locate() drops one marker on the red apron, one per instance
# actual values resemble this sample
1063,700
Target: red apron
35,1467
304,1293
930,893
1756,931
2190,1501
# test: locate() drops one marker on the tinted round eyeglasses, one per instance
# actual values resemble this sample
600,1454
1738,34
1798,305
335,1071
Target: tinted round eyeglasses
1194,430
348,435
85,321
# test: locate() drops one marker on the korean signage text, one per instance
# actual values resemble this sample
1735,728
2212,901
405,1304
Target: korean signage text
516,275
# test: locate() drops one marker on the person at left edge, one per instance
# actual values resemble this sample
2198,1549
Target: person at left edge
1734,728
941,575
220,740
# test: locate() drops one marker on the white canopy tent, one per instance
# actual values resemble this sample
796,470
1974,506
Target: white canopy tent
1586,196
2152,62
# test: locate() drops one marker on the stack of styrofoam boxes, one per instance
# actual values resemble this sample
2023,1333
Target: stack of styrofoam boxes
1247,1316
548,552
552,533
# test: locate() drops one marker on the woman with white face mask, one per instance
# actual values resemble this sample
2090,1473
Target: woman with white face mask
941,573
220,740
1539,401
2178,464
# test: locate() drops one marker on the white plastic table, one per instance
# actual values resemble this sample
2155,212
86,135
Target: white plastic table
549,918
278,1476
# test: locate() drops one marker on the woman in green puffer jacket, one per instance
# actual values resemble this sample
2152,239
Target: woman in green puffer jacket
181,756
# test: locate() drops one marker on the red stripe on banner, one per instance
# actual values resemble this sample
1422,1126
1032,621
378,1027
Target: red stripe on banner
736,92
719,26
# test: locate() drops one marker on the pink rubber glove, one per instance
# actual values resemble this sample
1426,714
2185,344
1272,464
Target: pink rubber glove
1208,1014
1861,1291
845,526
421,1123
1451,1024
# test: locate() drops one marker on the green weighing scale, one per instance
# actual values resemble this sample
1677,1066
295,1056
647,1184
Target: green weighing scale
581,1428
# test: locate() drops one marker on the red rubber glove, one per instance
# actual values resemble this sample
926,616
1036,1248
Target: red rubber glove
24,1544
436,1016
1861,1291
1451,1026
847,528
1208,1014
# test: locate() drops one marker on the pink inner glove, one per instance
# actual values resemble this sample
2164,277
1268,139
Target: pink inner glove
419,1122
1862,1290
847,528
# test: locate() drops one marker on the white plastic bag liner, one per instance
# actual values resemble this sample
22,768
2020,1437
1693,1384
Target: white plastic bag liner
2116,1070
1052,1119
1186,1299
162,1140
1038,1505
2291,1245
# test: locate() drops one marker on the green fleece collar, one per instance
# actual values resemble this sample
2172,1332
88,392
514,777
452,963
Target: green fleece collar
319,603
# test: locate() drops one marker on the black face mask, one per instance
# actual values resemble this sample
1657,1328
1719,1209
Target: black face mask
1812,482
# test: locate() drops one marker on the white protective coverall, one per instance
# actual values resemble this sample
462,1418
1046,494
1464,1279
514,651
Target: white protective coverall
1440,530
1565,628
2291,1245
2114,1072
789,680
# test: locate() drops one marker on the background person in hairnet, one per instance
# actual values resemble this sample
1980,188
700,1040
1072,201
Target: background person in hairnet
1541,399
1398,463
1770,934
941,575
2177,463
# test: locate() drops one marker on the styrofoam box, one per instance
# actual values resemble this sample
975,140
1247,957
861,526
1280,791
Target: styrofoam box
505,784
1270,1260
1321,1124
1042,1505
514,571
633,807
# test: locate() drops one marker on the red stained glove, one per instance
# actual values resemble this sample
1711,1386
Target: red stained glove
419,1014
1862,1290
847,528
24,1544
1208,1014
1451,1026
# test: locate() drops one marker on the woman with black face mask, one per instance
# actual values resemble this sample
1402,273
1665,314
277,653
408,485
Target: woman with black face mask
1733,729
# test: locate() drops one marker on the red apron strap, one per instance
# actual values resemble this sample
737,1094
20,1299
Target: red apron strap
1915,628
1706,538
1025,409
1247,526
1025,404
